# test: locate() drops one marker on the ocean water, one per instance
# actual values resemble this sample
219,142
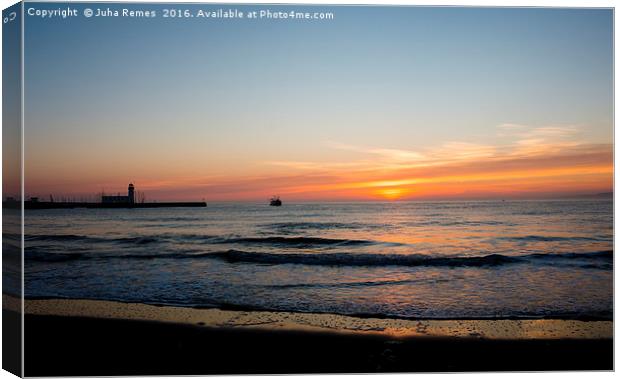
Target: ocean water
479,259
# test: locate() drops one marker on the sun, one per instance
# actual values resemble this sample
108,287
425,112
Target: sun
392,193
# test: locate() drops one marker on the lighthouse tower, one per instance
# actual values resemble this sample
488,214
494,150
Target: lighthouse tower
131,196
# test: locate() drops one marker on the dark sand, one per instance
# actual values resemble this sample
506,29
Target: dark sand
65,345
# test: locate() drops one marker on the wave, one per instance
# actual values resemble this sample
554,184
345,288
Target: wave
603,258
43,256
535,238
139,240
303,226
315,225
456,223
209,303
597,255
299,241
369,283
595,260
346,259
60,237
277,241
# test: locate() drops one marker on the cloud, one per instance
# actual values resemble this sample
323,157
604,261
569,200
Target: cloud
396,155
545,131
511,127
450,151
544,155
549,159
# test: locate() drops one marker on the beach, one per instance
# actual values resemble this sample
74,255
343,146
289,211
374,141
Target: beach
319,288
91,337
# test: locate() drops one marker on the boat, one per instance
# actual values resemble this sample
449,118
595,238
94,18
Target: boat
275,201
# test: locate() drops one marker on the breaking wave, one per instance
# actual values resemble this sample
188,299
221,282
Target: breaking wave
600,260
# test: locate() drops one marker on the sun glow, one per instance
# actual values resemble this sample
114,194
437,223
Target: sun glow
546,168
392,193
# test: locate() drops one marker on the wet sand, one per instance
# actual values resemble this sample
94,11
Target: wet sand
85,337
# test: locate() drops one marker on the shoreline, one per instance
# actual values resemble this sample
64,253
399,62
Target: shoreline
240,308
325,322
93,337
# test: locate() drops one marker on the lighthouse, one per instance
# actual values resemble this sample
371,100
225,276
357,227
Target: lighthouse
131,196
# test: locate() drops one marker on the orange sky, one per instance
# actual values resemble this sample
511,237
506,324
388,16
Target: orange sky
536,162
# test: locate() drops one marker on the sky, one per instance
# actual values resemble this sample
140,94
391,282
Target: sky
380,103
11,110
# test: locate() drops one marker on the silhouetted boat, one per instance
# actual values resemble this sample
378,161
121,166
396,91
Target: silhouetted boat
275,201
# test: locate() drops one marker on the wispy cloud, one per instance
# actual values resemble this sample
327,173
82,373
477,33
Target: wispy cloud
550,159
532,155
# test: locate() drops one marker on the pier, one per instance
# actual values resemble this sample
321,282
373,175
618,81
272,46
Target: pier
71,205
107,201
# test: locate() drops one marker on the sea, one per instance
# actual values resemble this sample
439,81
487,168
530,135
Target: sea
411,260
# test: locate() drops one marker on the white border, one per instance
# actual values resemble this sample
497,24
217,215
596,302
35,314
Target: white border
481,3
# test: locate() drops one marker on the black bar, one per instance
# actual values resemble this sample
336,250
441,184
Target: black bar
12,268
